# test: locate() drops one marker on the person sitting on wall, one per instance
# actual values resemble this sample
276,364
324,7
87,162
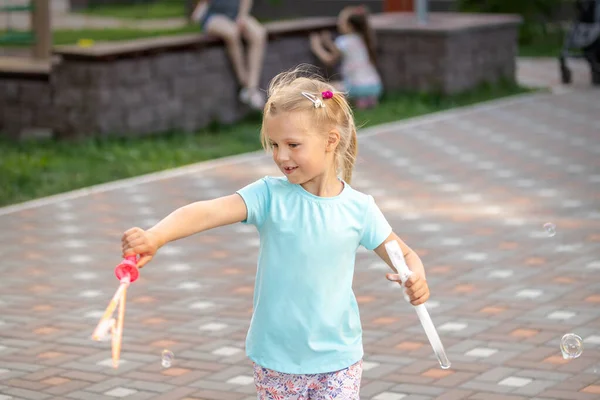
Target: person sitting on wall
230,20
355,48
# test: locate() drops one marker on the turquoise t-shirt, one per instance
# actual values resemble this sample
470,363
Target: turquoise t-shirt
306,317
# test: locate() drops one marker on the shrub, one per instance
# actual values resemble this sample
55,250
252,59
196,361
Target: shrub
536,14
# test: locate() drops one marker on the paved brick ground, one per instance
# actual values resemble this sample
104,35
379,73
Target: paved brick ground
469,189
544,72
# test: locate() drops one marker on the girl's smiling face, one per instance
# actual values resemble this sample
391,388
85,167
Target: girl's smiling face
300,153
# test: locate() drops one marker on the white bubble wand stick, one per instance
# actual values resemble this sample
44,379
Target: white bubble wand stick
127,273
393,249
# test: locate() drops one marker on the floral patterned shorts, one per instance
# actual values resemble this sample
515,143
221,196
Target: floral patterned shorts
341,385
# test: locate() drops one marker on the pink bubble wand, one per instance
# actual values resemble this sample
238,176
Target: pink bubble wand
127,273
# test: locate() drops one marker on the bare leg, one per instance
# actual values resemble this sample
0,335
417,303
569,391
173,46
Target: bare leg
226,29
256,35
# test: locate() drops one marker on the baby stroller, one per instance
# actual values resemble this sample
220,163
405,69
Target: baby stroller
583,40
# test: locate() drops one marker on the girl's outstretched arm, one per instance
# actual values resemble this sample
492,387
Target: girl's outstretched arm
185,221
416,285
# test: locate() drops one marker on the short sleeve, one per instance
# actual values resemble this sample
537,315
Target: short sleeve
341,42
257,199
376,228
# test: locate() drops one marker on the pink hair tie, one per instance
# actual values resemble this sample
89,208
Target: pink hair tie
328,94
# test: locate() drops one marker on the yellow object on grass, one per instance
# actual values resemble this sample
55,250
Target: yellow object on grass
85,42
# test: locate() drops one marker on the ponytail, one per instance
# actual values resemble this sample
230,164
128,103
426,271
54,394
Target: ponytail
347,150
349,157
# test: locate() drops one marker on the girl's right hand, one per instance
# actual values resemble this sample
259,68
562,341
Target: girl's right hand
138,241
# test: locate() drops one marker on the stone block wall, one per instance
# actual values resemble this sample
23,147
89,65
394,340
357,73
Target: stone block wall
411,61
447,61
26,106
183,83
309,8
174,91
485,56
139,96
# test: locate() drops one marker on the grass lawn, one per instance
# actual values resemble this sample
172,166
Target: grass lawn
543,45
65,36
34,169
72,36
153,10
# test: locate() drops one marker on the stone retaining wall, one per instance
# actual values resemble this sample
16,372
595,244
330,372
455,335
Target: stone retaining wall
26,106
182,91
446,59
183,83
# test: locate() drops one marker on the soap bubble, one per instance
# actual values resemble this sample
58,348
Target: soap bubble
550,228
167,358
571,346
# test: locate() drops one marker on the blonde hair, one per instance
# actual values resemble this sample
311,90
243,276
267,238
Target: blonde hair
286,95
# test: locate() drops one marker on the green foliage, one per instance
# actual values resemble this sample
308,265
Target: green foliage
529,8
537,14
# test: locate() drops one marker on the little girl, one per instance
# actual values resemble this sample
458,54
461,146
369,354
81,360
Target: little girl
355,47
305,336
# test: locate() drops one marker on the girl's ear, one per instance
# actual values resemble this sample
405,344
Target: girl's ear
333,139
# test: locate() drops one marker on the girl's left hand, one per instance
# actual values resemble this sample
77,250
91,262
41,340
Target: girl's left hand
416,287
